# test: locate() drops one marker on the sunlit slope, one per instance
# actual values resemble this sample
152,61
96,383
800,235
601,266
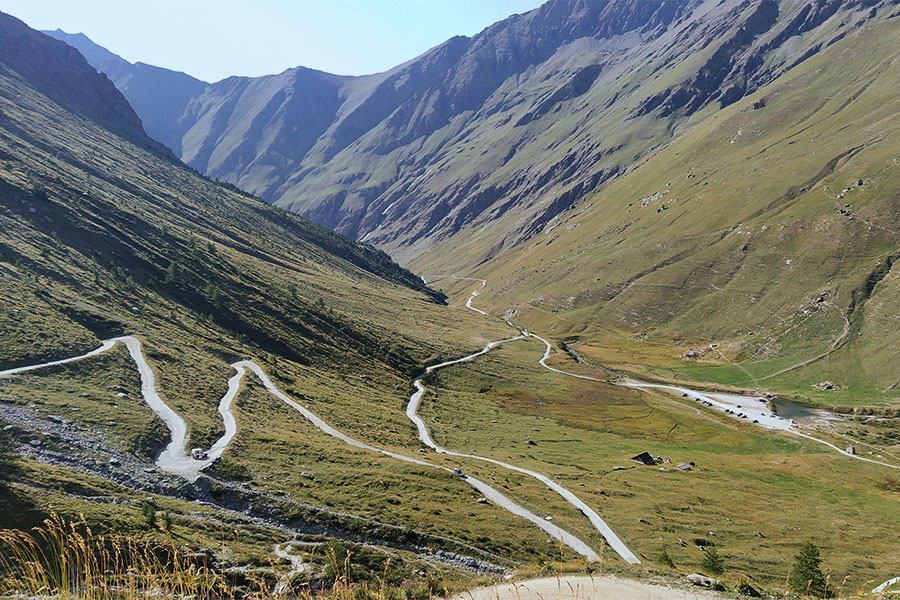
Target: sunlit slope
772,232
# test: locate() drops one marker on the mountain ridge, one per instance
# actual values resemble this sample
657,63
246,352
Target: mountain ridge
350,152
83,91
158,95
450,164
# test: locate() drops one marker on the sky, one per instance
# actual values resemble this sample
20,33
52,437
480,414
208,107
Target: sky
214,39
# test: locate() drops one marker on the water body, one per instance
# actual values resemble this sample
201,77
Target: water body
791,410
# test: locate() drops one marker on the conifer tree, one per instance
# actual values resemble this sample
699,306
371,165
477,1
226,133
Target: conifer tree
712,563
806,577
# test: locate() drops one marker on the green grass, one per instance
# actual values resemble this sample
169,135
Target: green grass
745,480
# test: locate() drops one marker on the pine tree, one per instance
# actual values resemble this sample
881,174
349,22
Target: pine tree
712,563
149,512
806,576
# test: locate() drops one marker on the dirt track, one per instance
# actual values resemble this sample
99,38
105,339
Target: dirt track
583,587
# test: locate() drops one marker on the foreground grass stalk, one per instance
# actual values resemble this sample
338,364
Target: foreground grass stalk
67,560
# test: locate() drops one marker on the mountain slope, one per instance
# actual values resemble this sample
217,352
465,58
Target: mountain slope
553,124
761,244
479,153
158,95
503,130
83,90
101,237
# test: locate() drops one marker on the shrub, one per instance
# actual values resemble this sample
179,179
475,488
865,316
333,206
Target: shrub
149,512
8,456
745,589
665,560
38,190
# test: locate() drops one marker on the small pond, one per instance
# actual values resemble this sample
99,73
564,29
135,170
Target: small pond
792,410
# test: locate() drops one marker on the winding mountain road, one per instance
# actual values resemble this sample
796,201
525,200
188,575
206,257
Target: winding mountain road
486,490
298,567
173,458
412,412
884,586
736,404
472,297
757,413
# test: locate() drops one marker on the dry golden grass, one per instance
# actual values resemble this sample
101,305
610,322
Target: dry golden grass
67,560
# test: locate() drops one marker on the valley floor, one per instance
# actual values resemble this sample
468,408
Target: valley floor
527,503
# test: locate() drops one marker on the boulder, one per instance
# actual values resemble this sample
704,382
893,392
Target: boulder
826,385
701,580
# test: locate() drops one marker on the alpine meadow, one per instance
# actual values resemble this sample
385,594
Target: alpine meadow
600,302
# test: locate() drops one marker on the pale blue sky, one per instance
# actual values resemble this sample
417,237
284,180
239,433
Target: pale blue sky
212,39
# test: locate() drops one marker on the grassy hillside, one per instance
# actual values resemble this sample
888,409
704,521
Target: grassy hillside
755,495
101,237
662,177
769,230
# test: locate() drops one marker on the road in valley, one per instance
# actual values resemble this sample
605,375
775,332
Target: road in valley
584,587
489,492
734,405
884,586
173,458
412,412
